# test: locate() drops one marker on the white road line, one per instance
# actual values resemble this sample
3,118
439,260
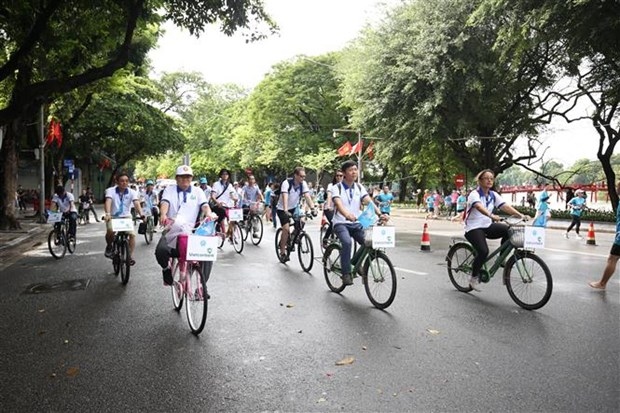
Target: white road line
575,252
410,271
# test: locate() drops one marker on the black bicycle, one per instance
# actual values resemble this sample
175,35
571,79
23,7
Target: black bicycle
121,260
297,237
58,240
253,223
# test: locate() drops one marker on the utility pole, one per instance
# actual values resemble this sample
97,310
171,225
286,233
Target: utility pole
42,164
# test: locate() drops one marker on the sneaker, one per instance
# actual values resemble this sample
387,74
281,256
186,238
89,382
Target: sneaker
347,279
284,258
578,236
474,283
167,273
109,252
255,234
566,235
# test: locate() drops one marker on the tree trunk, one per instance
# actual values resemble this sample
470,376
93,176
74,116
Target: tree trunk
8,177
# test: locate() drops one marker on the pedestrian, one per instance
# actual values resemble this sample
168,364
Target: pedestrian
542,212
578,204
461,204
531,199
614,254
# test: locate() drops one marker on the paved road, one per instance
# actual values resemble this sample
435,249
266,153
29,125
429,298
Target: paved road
274,334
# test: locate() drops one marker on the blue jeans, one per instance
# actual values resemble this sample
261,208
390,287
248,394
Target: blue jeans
345,232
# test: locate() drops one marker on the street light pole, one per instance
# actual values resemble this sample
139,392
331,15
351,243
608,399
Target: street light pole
42,164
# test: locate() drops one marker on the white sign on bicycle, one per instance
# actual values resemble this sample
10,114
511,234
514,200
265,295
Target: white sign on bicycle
54,217
235,214
383,237
201,248
534,238
122,224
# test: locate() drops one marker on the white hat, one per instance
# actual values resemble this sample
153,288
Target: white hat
184,170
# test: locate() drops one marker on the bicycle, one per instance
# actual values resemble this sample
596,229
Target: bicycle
371,264
236,234
83,214
299,237
58,240
150,226
531,284
253,222
120,248
190,285
325,225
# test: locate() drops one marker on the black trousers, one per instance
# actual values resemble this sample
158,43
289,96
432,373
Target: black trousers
478,239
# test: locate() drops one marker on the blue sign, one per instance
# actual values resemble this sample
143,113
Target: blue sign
68,163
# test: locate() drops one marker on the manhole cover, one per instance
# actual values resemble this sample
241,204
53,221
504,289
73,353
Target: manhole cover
70,285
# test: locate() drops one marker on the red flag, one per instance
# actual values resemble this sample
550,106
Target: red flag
345,149
357,148
58,133
370,151
49,139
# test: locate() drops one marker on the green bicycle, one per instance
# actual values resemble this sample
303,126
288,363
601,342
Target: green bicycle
526,276
373,265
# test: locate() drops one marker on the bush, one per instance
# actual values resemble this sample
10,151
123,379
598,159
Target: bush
588,214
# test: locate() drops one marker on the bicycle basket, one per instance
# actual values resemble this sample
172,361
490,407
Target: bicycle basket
517,236
257,208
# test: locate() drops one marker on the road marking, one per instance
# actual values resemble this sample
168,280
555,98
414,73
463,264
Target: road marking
575,252
410,271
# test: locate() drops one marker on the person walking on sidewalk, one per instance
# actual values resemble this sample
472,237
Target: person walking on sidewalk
578,204
614,254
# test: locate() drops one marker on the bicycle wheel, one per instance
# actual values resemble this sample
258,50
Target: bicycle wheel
237,238
81,219
459,260
331,268
197,302
277,244
257,228
379,279
221,234
528,280
116,258
71,243
322,237
124,261
177,286
56,243
305,252
148,235
245,228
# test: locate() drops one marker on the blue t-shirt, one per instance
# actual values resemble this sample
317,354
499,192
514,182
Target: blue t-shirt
268,196
383,197
430,202
461,203
447,200
577,204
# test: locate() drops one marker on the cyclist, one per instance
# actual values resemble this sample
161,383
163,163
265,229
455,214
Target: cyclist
151,202
348,197
184,203
119,201
223,196
328,208
251,194
86,205
385,200
65,203
291,192
268,192
204,185
481,223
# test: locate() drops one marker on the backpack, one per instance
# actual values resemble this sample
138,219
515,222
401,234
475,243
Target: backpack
354,184
275,195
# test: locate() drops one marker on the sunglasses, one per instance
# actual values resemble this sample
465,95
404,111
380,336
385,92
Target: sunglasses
339,175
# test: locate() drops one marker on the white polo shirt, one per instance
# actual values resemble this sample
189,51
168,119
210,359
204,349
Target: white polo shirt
64,203
351,198
229,194
474,218
184,206
294,195
121,202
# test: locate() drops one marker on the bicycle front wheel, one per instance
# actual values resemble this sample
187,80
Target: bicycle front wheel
528,280
71,243
322,237
305,252
245,228
123,252
56,244
148,235
177,286
459,261
331,268
197,301
237,239
379,279
257,229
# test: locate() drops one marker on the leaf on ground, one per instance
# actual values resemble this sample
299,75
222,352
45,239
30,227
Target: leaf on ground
322,400
300,331
66,341
364,348
42,332
72,371
290,306
42,310
345,361
53,375
433,332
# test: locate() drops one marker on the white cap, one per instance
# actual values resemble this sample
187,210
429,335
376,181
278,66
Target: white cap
184,170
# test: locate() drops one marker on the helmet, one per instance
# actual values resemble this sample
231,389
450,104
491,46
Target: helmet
149,182
203,180
184,170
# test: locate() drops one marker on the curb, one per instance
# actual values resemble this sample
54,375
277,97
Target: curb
21,239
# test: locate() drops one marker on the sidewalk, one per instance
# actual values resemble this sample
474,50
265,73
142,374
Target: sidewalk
30,228
559,224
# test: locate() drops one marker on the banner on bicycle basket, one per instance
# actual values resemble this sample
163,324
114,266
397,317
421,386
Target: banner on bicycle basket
201,248
235,214
383,237
534,238
54,217
122,224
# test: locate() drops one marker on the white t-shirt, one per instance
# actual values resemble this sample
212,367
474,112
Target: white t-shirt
184,206
329,204
351,198
64,204
474,218
294,195
228,198
121,203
